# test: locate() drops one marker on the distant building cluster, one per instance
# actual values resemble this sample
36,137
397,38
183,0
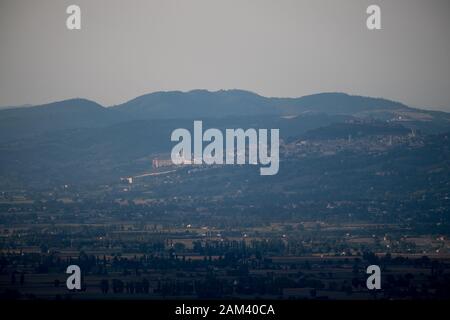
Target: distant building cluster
128,180
159,163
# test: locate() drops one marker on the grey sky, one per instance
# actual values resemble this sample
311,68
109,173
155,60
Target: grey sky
274,48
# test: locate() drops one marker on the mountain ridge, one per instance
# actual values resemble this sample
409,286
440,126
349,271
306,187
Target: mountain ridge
81,113
81,141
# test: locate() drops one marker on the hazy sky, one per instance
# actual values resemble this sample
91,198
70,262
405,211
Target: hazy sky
274,48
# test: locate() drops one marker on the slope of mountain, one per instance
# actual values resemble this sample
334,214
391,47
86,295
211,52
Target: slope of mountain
15,107
335,103
197,104
109,152
355,130
63,115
